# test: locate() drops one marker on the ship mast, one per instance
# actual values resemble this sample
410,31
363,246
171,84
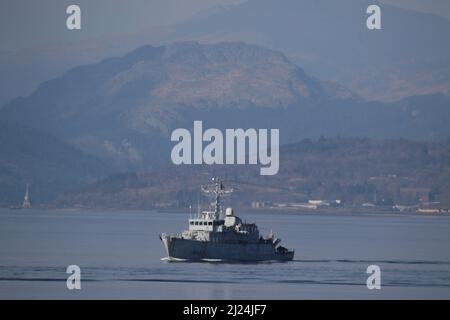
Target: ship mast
217,189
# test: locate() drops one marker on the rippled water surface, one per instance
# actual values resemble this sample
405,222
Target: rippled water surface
120,256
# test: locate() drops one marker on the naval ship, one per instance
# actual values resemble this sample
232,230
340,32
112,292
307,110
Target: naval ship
214,237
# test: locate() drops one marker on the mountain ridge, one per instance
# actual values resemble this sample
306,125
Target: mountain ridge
330,40
409,56
122,109
148,91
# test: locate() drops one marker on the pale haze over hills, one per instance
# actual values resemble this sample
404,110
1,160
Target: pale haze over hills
327,38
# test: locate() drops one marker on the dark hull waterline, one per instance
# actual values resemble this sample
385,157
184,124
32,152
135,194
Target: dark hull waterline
187,249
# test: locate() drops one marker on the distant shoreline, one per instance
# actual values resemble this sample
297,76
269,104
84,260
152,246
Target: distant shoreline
341,211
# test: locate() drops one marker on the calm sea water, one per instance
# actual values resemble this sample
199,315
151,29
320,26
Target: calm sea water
119,254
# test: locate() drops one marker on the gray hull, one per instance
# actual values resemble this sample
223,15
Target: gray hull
179,248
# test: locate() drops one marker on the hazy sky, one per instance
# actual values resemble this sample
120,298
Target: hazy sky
440,7
28,23
25,23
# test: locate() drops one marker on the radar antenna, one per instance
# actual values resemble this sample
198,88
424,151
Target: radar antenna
216,189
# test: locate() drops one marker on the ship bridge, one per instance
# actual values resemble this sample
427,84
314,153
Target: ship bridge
205,221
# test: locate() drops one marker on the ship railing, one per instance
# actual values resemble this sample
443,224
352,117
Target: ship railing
172,235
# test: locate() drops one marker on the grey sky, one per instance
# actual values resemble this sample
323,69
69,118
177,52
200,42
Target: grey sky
439,7
27,23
